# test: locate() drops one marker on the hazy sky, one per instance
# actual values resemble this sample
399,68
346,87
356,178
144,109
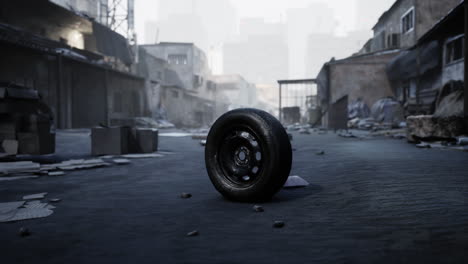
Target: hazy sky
274,10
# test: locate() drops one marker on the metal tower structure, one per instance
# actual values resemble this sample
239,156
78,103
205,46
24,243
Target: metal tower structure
121,18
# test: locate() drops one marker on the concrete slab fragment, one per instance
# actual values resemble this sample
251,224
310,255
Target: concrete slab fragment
35,196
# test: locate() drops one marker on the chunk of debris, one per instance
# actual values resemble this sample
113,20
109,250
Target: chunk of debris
175,134
24,232
121,161
258,208
322,152
295,182
462,141
55,200
56,173
304,131
19,167
199,136
290,136
423,145
203,142
75,165
35,196
193,233
278,224
142,156
185,195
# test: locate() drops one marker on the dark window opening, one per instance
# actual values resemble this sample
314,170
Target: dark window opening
454,50
407,21
177,59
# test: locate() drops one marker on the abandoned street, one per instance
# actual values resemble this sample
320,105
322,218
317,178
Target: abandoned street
375,200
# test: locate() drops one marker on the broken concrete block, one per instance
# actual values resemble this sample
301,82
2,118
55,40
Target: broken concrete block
193,233
23,232
185,195
36,143
278,224
10,146
430,127
109,141
121,161
462,141
56,173
143,140
203,142
35,196
258,208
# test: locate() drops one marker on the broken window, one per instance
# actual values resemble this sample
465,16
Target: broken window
177,59
393,41
454,49
407,21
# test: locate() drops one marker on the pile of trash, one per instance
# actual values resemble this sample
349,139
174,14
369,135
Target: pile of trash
386,114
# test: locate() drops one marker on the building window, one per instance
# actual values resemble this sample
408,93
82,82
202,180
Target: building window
159,75
407,21
177,59
455,49
393,41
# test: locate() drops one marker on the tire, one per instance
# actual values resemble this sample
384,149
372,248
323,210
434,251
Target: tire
248,155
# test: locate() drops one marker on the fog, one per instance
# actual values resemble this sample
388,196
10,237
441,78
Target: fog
299,35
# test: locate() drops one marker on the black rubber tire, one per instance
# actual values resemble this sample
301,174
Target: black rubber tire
259,132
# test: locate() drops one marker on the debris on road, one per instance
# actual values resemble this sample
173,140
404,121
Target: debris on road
322,152
19,167
185,195
200,136
142,156
121,161
56,173
55,200
278,224
24,232
75,165
304,131
258,208
295,182
175,134
423,145
203,142
13,178
462,141
24,210
35,196
193,233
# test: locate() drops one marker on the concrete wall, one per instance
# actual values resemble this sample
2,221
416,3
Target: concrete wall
427,14
80,94
95,9
360,77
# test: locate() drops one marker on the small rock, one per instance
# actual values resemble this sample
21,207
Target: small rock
258,208
24,232
193,233
185,195
278,224
55,200
423,145
321,153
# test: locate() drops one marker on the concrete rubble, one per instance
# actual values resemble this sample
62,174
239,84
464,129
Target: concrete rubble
427,127
30,208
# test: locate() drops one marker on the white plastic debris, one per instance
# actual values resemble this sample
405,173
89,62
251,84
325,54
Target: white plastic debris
175,134
19,167
142,156
295,182
56,173
35,196
121,161
203,142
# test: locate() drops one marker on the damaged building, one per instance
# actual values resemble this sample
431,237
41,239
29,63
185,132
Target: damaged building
360,83
188,92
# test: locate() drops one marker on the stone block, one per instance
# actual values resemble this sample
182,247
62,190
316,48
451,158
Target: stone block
109,140
143,140
431,127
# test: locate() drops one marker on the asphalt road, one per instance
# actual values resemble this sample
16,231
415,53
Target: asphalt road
370,201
